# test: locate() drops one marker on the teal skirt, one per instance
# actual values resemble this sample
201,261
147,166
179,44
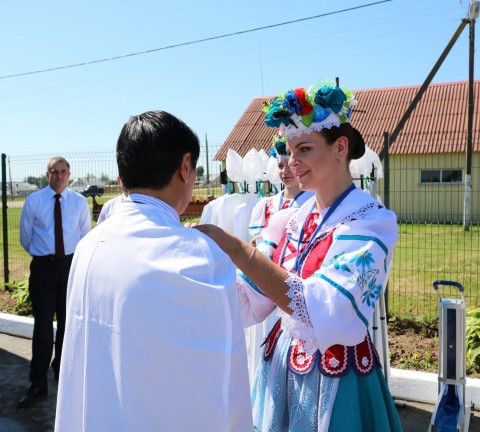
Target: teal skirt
284,401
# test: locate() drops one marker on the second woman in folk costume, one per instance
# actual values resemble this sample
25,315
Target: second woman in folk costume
319,371
290,197
282,205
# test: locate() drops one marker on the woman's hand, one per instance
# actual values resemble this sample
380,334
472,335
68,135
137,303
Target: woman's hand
269,277
223,239
190,224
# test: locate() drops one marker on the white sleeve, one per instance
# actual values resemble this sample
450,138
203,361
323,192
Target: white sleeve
26,225
257,218
338,300
254,305
84,217
210,212
104,212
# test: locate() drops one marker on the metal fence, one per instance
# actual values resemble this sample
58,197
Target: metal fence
425,251
427,192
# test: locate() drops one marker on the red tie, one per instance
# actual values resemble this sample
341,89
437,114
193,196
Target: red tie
59,248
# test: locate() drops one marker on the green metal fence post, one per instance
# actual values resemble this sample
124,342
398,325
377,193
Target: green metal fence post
386,196
4,218
386,171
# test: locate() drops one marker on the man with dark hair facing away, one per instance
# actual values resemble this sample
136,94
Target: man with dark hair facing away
154,338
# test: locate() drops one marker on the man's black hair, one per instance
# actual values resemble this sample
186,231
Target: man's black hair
150,149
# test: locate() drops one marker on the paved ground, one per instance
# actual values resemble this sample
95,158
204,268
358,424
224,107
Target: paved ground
15,355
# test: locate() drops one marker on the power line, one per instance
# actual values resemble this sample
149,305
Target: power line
191,42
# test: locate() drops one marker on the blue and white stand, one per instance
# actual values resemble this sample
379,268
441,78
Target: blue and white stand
450,413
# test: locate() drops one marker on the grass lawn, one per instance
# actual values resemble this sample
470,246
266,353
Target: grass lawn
424,253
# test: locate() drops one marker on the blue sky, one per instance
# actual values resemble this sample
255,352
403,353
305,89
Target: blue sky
210,84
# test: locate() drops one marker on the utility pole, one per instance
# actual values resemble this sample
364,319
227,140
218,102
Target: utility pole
393,136
472,16
389,139
208,169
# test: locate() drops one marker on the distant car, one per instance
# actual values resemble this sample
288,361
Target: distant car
92,191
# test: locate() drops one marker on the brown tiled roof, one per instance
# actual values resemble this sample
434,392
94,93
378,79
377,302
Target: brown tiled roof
437,125
249,132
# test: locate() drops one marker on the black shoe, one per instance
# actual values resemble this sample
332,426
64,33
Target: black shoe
34,394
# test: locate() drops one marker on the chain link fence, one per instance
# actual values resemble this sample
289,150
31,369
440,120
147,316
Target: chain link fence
427,193
433,243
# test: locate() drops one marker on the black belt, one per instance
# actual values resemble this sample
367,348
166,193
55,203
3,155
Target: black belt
53,257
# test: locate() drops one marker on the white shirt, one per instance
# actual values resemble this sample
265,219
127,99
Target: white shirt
154,338
241,218
37,222
110,207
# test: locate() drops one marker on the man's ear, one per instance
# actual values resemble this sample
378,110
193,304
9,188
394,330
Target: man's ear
186,167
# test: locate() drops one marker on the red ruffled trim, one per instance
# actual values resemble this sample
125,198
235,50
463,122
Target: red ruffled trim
339,359
298,361
364,357
336,362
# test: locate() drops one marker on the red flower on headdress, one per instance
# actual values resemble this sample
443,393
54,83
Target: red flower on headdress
302,100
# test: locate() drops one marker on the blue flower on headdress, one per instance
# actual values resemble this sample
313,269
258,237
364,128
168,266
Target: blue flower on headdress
304,107
277,112
330,97
279,147
320,113
294,104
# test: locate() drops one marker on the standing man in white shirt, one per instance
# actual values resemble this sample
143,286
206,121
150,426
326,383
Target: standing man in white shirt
154,338
53,221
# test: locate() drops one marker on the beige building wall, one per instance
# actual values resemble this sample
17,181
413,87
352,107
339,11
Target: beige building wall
415,202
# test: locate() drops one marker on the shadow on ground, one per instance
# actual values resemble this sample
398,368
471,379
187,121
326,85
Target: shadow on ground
14,367
416,417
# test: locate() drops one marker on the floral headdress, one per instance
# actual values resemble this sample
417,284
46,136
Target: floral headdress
299,111
279,147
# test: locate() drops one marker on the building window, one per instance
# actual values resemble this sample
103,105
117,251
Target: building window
441,176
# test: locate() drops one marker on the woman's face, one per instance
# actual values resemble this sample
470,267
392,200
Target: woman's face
285,173
312,160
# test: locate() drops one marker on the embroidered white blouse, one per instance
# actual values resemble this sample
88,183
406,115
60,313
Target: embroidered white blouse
333,303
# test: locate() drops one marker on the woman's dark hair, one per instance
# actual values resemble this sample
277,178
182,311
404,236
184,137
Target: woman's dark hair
150,149
356,144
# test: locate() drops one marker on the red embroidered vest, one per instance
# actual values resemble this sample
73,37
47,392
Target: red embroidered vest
337,360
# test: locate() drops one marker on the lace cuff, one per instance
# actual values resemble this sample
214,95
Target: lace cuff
298,325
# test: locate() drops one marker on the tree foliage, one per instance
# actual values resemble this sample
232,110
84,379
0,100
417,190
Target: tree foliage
41,182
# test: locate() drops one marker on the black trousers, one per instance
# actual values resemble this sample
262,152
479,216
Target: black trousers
48,293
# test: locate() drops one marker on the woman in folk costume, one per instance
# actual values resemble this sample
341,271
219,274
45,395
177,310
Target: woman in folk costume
320,371
290,197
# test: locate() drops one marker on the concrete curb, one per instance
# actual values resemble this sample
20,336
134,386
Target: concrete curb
423,387
404,384
20,326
